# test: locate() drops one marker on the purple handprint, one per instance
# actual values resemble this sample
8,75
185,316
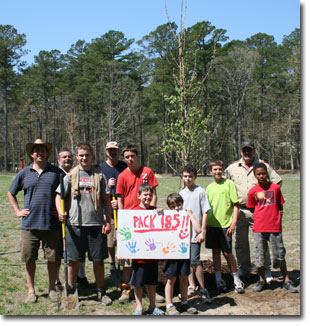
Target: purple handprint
151,244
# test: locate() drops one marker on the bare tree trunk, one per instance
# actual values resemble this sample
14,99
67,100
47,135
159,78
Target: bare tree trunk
141,135
6,167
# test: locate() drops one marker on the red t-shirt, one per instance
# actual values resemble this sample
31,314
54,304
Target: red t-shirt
145,261
267,217
128,184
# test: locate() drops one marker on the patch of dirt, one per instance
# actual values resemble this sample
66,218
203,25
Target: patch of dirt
274,300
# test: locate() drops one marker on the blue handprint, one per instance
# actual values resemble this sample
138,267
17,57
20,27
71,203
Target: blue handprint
125,232
183,247
151,244
132,247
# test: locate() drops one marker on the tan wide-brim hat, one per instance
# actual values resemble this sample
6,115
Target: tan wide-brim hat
30,146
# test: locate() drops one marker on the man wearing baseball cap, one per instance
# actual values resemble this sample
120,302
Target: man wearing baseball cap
40,223
111,169
241,172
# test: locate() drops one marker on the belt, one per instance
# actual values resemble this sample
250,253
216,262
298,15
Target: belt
244,207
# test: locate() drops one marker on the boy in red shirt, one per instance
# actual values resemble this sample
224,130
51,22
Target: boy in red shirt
128,183
145,271
266,201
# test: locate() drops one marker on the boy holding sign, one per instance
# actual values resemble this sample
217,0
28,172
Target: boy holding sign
145,271
179,267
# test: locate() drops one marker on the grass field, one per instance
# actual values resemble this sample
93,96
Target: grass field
13,287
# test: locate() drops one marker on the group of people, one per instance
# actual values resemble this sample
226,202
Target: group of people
246,194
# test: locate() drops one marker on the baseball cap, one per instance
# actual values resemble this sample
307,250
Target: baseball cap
111,144
247,144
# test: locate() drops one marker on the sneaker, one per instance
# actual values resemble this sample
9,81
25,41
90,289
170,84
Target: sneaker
137,312
172,311
58,287
159,298
239,286
220,286
83,281
259,286
289,285
103,298
191,292
31,298
268,277
156,312
205,296
125,296
53,296
187,308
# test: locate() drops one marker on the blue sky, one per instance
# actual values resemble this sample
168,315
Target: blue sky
57,24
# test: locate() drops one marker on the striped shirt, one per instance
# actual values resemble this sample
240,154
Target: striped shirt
39,196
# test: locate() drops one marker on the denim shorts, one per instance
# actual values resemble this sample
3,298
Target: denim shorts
176,267
217,238
144,274
195,253
277,248
82,239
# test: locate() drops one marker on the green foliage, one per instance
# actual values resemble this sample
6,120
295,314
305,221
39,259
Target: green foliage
181,94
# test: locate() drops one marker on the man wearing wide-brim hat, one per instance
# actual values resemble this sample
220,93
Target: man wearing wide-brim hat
241,172
40,224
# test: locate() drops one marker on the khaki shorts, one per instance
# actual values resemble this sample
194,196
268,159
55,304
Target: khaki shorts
30,244
112,236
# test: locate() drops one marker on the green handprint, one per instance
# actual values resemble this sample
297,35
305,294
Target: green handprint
125,232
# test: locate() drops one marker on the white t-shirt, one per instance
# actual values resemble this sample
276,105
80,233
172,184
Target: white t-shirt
196,200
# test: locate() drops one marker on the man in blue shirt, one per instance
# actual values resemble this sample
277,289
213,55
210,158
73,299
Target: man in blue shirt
111,169
40,222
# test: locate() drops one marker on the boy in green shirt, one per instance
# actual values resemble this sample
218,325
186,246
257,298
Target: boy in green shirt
222,220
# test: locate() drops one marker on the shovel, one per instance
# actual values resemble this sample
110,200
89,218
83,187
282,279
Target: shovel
68,300
114,273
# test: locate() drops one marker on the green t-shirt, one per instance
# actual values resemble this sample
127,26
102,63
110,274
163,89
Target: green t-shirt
222,196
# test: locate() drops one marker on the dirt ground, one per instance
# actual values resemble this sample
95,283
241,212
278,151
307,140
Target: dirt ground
272,301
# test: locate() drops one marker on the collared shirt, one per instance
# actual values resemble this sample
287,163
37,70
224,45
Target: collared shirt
244,178
39,196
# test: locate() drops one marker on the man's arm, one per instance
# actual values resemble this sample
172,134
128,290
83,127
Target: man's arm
106,229
14,203
61,216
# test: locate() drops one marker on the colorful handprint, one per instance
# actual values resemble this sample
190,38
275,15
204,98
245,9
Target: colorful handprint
151,244
169,248
125,232
132,247
183,248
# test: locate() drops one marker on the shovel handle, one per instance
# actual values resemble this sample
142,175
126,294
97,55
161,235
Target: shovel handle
62,202
115,214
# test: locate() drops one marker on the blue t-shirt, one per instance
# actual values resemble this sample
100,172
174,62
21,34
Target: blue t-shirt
39,196
113,172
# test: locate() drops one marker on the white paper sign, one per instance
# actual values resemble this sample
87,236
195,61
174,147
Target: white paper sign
142,234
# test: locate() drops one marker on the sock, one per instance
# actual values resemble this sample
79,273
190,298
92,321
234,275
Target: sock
218,276
169,305
235,276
